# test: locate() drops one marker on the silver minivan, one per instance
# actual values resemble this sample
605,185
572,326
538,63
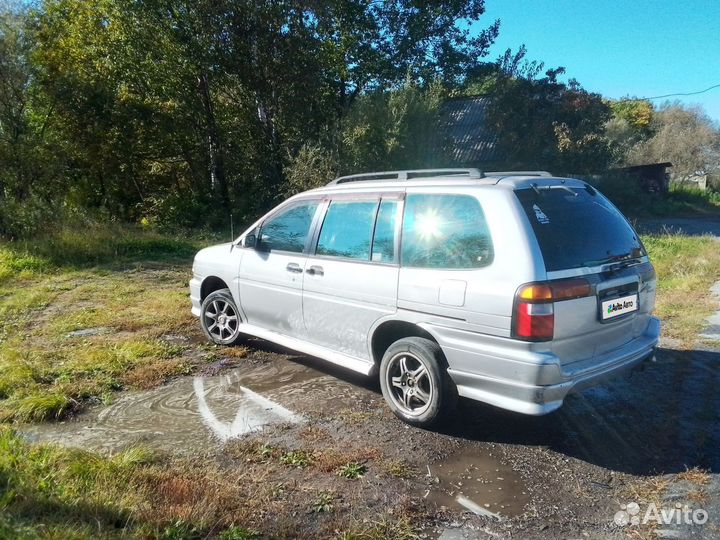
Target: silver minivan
510,288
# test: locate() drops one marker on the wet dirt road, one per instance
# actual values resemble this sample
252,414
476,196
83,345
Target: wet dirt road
487,472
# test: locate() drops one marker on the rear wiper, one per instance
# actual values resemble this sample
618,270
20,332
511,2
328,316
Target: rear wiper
624,264
537,188
620,261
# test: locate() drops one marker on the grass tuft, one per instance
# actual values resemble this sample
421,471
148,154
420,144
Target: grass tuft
696,476
296,458
35,408
352,471
324,502
399,468
238,533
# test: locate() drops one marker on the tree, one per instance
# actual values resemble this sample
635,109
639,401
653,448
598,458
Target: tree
30,161
684,136
630,124
174,109
543,123
384,129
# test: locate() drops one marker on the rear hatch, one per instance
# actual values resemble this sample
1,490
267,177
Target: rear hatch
584,238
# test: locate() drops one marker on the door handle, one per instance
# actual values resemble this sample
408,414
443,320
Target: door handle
315,271
294,267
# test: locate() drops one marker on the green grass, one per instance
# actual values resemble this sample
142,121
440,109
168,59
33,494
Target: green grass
353,471
132,284
51,492
679,201
138,292
686,268
95,245
128,284
296,458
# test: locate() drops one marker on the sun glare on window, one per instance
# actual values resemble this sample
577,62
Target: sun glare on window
429,225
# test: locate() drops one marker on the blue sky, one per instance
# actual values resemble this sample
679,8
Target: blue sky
618,48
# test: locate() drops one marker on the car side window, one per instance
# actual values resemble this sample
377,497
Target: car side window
445,231
385,226
288,230
347,229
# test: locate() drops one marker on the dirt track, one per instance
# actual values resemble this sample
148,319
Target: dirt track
486,473
554,476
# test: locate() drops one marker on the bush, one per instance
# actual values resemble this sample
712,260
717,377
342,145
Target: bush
24,219
314,166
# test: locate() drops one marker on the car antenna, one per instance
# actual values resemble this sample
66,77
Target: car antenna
232,233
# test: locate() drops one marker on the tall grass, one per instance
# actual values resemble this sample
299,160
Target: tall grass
686,267
92,246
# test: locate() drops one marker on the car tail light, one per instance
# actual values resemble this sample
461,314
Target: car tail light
534,315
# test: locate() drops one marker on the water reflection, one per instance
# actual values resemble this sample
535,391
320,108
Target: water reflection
253,413
196,413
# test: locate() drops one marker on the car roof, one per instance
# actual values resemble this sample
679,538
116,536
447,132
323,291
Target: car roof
382,181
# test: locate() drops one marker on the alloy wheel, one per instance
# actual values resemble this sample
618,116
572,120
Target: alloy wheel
411,387
221,320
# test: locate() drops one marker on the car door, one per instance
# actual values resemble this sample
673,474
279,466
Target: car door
351,278
271,273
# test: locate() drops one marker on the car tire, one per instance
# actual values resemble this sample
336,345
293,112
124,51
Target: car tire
415,382
220,318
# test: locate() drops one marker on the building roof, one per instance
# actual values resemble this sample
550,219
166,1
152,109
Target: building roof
645,166
464,125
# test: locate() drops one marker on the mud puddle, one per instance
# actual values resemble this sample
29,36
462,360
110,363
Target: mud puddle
195,413
473,481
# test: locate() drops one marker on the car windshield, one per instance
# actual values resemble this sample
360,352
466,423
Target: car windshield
578,227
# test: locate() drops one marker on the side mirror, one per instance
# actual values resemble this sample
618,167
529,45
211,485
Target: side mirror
250,240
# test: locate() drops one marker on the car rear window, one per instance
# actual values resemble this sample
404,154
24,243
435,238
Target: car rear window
578,227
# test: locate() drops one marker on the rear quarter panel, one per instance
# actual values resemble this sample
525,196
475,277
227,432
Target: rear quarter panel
489,291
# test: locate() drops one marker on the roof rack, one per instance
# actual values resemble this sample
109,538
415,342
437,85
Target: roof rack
518,173
408,175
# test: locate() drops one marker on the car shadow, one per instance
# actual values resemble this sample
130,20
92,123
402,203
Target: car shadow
664,419
261,347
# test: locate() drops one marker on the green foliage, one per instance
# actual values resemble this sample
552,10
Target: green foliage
180,530
238,533
96,244
543,123
637,113
625,192
352,471
296,458
314,166
324,502
392,130
180,115
684,136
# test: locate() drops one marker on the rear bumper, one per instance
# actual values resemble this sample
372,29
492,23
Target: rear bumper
540,387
